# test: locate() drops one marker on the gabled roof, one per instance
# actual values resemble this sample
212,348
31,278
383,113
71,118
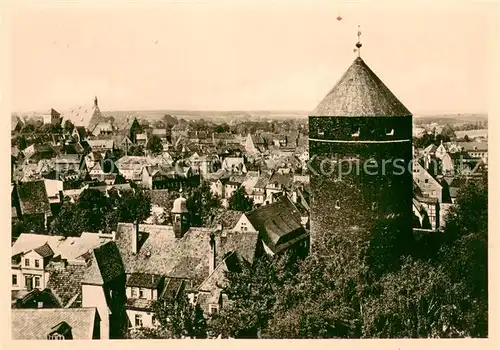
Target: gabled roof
360,93
33,198
31,324
44,251
278,223
143,280
227,218
106,265
162,253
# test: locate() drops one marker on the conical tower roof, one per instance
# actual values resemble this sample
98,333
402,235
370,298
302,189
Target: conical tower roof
360,93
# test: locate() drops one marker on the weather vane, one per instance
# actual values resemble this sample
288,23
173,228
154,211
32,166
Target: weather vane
358,44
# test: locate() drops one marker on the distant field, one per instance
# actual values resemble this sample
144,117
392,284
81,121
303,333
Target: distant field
216,116
472,133
450,118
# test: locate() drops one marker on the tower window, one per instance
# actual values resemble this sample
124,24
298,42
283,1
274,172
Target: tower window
337,204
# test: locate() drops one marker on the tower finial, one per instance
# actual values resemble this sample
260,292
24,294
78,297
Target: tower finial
358,44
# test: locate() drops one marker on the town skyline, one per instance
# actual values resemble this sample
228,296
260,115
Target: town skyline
65,62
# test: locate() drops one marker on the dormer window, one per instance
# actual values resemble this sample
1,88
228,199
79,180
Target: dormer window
61,331
321,132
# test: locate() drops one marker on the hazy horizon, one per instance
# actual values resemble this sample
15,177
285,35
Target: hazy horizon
249,57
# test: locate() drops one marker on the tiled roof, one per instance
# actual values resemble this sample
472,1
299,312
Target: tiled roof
162,253
109,262
139,304
227,218
277,223
144,280
173,287
285,180
33,198
66,282
69,248
99,143
31,324
44,251
360,93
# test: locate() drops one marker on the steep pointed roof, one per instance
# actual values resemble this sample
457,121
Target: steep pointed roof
360,93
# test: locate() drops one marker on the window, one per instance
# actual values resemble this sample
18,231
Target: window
138,320
214,309
14,280
141,293
426,181
40,304
37,263
133,292
37,281
26,262
337,204
55,337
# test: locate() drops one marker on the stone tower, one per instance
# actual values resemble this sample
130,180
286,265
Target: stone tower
180,216
360,149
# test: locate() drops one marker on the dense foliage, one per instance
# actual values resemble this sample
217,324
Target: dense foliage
240,201
94,211
342,295
154,145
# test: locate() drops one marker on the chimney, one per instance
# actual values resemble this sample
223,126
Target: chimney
212,254
135,238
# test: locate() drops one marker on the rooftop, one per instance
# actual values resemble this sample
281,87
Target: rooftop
31,324
360,93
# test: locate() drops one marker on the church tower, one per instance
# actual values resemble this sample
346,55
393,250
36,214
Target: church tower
180,216
360,149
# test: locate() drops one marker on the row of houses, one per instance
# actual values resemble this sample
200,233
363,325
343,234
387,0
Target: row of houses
115,278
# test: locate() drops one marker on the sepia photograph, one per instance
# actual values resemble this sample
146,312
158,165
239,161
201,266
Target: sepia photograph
250,170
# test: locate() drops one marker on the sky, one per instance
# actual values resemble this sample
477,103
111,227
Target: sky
248,56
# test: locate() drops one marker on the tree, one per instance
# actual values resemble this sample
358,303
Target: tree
252,291
134,205
136,150
222,128
202,205
21,143
154,145
179,318
240,201
68,126
69,222
28,128
466,138
93,205
169,120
